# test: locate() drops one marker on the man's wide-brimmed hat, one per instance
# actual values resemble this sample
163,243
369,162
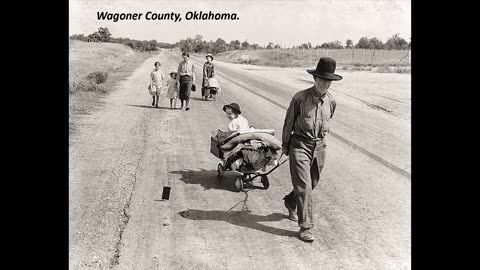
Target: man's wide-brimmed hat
326,69
209,54
235,107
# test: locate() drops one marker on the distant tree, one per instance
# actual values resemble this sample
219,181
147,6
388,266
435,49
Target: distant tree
186,45
198,47
255,46
104,34
219,46
94,37
337,44
151,45
396,43
277,46
245,45
197,39
208,46
235,44
81,37
305,46
362,43
270,45
375,43
332,45
349,44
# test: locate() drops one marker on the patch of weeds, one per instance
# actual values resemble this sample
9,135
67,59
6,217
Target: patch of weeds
383,69
97,77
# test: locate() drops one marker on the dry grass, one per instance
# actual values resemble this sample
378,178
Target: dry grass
346,59
94,68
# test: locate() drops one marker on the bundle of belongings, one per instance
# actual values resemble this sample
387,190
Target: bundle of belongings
246,151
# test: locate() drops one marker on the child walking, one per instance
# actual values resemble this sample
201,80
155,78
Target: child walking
156,77
172,92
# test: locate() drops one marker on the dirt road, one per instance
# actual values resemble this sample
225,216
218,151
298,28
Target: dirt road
123,155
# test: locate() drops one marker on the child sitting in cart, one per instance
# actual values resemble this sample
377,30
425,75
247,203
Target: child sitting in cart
238,122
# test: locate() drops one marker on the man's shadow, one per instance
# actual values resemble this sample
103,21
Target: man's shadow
242,218
208,179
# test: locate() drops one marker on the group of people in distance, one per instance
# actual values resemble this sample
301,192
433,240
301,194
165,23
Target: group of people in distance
181,82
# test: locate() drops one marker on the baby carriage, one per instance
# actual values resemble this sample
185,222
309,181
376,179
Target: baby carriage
248,153
212,89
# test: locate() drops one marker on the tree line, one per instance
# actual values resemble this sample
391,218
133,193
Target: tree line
197,44
393,43
104,35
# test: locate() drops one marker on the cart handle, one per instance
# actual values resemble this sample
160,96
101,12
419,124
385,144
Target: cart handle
278,165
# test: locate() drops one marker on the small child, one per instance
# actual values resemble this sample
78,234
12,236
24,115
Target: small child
172,92
238,123
156,77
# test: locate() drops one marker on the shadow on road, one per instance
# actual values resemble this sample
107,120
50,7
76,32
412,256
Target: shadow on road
149,107
208,179
241,218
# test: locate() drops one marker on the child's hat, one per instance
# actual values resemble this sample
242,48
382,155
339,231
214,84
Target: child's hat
234,106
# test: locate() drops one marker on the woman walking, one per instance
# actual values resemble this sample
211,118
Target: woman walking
208,72
185,79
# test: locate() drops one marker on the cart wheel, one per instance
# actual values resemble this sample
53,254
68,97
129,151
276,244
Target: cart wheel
239,183
219,172
265,182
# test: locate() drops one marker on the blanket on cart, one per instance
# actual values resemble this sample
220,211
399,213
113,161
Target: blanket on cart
250,150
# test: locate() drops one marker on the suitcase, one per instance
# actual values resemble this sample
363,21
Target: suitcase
215,148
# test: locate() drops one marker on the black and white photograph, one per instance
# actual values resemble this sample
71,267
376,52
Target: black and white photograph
268,134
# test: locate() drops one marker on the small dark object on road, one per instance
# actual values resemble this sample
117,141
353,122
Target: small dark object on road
166,193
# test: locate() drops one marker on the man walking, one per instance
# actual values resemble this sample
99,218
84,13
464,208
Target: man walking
303,140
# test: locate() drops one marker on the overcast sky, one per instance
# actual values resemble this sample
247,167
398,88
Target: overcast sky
284,22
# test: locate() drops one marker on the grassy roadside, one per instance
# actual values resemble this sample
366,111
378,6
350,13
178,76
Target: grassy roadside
94,70
381,61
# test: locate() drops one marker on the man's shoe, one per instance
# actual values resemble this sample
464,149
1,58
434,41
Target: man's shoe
305,235
292,213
